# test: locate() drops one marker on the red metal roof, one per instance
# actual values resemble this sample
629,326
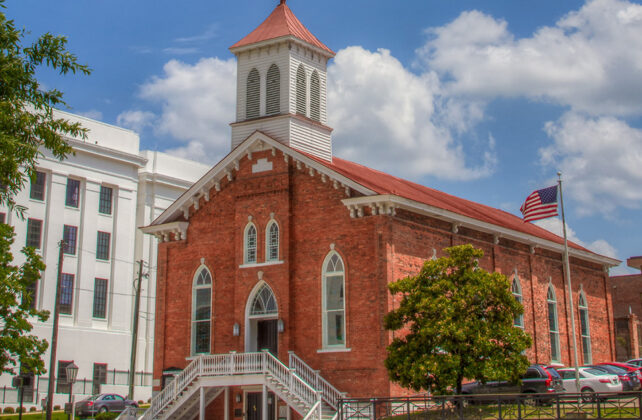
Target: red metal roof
383,183
281,22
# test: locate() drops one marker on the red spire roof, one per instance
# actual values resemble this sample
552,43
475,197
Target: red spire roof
281,22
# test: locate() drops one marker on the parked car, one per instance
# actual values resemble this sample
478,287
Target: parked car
635,362
101,403
537,380
592,380
630,380
628,367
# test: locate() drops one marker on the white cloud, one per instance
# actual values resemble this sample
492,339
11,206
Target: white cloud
394,120
136,120
599,246
198,103
591,59
601,160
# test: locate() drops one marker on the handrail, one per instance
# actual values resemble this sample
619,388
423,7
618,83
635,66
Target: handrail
234,364
329,394
316,407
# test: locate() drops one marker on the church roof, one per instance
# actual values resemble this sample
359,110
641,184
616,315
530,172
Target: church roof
280,23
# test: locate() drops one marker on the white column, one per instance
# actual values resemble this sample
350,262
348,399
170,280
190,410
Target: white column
265,404
201,413
227,403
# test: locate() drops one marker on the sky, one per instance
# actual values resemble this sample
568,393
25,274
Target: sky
486,100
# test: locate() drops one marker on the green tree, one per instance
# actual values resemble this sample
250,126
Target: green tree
28,126
455,322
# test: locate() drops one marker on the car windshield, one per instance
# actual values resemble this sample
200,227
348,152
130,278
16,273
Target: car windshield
615,369
553,373
596,372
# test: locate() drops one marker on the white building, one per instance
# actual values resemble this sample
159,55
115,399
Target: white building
96,200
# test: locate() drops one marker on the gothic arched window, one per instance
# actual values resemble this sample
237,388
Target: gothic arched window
553,328
301,97
249,244
334,321
253,95
273,93
264,302
585,329
201,311
315,97
272,241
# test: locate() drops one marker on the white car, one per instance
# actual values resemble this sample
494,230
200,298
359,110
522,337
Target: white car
591,381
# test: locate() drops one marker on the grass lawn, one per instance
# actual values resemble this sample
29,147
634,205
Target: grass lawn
57,415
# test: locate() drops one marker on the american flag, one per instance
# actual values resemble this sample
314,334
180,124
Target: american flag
540,204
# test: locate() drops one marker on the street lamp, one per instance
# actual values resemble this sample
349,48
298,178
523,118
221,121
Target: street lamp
72,372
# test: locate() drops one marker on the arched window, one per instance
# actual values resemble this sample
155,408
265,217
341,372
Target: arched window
272,241
551,300
516,288
201,311
273,93
315,97
250,244
264,302
253,99
334,323
301,97
585,329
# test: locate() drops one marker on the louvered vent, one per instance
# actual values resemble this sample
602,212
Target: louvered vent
273,98
253,104
301,99
315,97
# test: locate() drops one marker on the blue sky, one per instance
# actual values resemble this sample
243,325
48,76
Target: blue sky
484,100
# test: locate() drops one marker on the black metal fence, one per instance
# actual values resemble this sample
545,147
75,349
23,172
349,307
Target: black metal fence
624,405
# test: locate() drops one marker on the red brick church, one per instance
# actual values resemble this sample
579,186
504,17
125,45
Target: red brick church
284,247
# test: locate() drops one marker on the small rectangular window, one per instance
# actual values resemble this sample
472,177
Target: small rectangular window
38,187
69,235
66,293
31,292
100,377
102,246
62,386
34,232
73,193
100,298
104,205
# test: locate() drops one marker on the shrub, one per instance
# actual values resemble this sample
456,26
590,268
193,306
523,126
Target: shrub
106,416
32,408
56,407
140,402
9,410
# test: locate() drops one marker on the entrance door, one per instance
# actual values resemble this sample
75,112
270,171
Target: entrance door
267,336
255,406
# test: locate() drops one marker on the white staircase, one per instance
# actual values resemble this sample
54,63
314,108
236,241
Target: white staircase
301,387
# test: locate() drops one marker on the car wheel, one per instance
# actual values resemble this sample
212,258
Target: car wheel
530,401
588,395
103,410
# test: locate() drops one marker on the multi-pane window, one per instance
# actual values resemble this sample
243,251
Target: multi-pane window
201,312
273,91
73,193
30,292
69,236
272,242
517,293
264,302
315,97
100,298
37,191
553,328
333,301
253,95
104,203
301,97
34,232
585,330
62,386
66,293
99,377
250,244
102,245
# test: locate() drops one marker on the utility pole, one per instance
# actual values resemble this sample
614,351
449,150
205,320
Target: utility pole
54,334
132,363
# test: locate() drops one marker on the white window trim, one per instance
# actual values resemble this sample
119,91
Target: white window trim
556,318
519,297
246,261
581,308
194,289
268,244
324,321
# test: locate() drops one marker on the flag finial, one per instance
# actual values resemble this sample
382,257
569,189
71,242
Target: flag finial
282,1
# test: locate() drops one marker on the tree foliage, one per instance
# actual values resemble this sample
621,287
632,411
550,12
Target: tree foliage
28,127
455,322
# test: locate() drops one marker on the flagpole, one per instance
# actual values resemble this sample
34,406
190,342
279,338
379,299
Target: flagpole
567,273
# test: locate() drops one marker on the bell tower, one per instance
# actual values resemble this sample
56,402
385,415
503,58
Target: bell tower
281,85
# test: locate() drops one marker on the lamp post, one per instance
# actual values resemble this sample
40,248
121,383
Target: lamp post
72,372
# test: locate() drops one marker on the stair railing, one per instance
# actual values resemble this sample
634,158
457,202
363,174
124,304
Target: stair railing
330,394
315,412
287,377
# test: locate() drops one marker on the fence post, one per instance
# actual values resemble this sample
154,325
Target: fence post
599,409
408,407
499,407
557,400
4,393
